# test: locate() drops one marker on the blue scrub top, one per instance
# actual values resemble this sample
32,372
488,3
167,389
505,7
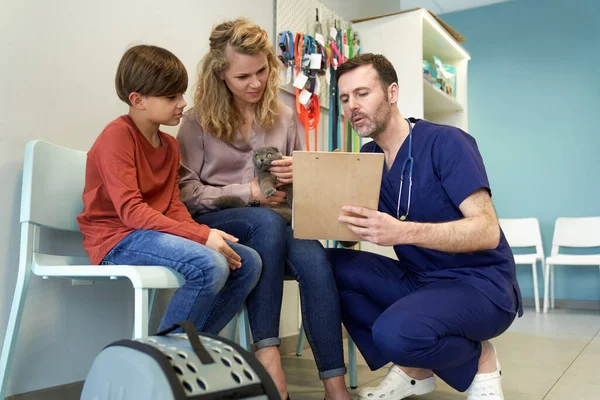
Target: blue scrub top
447,169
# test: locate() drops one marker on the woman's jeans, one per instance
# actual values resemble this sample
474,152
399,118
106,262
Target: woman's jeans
212,293
265,231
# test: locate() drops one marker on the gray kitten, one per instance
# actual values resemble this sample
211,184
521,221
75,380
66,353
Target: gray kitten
262,158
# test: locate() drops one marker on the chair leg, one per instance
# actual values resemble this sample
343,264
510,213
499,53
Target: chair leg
140,313
546,285
244,328
151,294
535,287
552,286
300,344
12,330
352,363
232,328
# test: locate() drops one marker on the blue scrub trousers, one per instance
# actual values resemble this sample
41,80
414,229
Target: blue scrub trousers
393,316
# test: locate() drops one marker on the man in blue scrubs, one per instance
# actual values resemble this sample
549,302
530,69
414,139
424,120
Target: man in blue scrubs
453,287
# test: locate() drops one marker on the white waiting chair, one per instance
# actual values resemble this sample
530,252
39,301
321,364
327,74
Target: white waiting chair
53,180
573,233
525,233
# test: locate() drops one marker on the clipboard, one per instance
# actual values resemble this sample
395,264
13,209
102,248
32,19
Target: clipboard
326,181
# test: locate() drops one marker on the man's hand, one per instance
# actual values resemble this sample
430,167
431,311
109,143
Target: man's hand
216,241
477,230
283,170
373,226
255,193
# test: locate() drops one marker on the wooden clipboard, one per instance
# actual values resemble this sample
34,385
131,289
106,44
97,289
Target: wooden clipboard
324,182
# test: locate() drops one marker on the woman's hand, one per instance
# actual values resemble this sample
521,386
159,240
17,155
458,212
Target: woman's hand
283,170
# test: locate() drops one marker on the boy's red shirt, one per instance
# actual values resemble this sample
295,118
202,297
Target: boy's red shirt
130,185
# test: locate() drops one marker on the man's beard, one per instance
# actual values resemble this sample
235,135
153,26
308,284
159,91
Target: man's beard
376,125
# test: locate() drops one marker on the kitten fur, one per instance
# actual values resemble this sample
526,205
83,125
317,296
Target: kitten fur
262,159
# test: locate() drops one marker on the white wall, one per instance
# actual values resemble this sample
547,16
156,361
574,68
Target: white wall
56,83
355,9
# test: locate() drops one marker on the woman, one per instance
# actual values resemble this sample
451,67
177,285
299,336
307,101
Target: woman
237,110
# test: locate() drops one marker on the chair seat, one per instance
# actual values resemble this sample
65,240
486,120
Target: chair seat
574,259
147,276
525,258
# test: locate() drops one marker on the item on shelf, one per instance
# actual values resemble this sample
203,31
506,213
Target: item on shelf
450,78
356,44
446,77
428,72
426,67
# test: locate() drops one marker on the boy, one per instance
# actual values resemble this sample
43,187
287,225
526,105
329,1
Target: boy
132,212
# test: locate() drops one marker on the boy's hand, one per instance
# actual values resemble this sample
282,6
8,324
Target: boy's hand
216,241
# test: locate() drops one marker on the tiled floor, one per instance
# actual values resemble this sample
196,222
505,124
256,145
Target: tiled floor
553,356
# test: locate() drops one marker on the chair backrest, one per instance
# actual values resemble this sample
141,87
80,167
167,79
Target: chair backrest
53,180
576,232
523,232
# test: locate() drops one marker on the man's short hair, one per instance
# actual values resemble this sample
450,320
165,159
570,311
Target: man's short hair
150,71
385,70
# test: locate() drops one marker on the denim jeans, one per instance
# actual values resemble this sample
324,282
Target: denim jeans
266,232
212,293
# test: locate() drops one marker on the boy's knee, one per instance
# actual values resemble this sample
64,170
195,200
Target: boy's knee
217,274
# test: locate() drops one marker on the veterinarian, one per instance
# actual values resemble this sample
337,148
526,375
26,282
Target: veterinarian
453,287
237,110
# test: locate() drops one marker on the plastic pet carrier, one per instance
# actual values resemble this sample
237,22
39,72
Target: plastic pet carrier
177,366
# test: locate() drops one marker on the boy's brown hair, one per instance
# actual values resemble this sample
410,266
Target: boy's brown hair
150,71
385,70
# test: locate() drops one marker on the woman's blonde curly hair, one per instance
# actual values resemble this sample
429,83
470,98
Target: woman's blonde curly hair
214,106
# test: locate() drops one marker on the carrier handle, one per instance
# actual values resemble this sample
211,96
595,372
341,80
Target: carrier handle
193,337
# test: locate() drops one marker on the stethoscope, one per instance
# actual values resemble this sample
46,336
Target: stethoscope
408,163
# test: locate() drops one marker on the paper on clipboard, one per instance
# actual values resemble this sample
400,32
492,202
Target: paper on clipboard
324,182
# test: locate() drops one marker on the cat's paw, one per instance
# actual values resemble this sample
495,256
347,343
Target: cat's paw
253,203
269,192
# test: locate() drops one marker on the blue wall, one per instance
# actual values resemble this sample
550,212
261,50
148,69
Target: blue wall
534,99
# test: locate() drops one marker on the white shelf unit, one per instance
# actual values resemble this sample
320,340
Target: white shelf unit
437,102
406,39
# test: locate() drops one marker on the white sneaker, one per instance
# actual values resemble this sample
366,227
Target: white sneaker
397,385
487,386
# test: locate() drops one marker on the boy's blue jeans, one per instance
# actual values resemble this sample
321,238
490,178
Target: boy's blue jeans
212,293
265,231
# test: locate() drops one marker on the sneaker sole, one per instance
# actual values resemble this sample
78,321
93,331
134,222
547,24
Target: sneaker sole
417,391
